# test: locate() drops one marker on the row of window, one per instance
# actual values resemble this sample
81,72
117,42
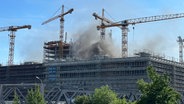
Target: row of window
104,65
161,65
129,72
92,84
103,74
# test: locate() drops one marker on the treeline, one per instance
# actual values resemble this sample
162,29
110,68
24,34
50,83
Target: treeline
33,97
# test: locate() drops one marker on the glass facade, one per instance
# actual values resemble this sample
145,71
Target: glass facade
52,71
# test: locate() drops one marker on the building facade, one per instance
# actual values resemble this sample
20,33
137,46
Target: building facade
121,74
25,73
56,50
64,80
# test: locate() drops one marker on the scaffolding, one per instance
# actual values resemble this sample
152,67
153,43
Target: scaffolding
66,79
52,51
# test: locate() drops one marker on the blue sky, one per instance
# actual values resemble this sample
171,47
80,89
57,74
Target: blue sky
29,43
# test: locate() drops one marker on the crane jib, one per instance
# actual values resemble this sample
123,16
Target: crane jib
14,28
152,18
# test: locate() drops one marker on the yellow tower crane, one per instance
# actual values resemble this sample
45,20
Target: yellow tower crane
125,23
12,30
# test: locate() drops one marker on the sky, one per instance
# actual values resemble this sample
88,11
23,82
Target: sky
159,37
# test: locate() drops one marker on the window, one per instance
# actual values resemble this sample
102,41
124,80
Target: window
52,73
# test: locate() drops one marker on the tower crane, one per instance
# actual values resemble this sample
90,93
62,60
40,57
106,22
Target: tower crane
103,19
126,23
180,41
61,16
12,30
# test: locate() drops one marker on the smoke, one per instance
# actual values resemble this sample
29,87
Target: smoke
156,44
88,44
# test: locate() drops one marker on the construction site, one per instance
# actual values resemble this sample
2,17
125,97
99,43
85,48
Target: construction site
70,68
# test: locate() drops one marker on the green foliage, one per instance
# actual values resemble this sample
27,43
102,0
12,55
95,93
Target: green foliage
158,91
16,98
83,100
101,95
104,95
123,101
35,97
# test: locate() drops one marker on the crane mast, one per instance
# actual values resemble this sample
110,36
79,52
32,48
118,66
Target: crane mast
61,33
180,41
103,19
61,16
126,23
62,25
102,29
124,35
12,30
11,47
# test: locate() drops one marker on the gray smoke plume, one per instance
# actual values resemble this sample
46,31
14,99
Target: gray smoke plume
88,44
156,43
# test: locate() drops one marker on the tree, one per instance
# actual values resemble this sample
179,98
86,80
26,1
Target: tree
35,97
102,95
16,98
158,91
83,100
123,101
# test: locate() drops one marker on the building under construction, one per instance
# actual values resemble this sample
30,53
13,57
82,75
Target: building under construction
62,77
56,50
63,80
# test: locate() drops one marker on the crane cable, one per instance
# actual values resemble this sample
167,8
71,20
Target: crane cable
109,15
56,12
